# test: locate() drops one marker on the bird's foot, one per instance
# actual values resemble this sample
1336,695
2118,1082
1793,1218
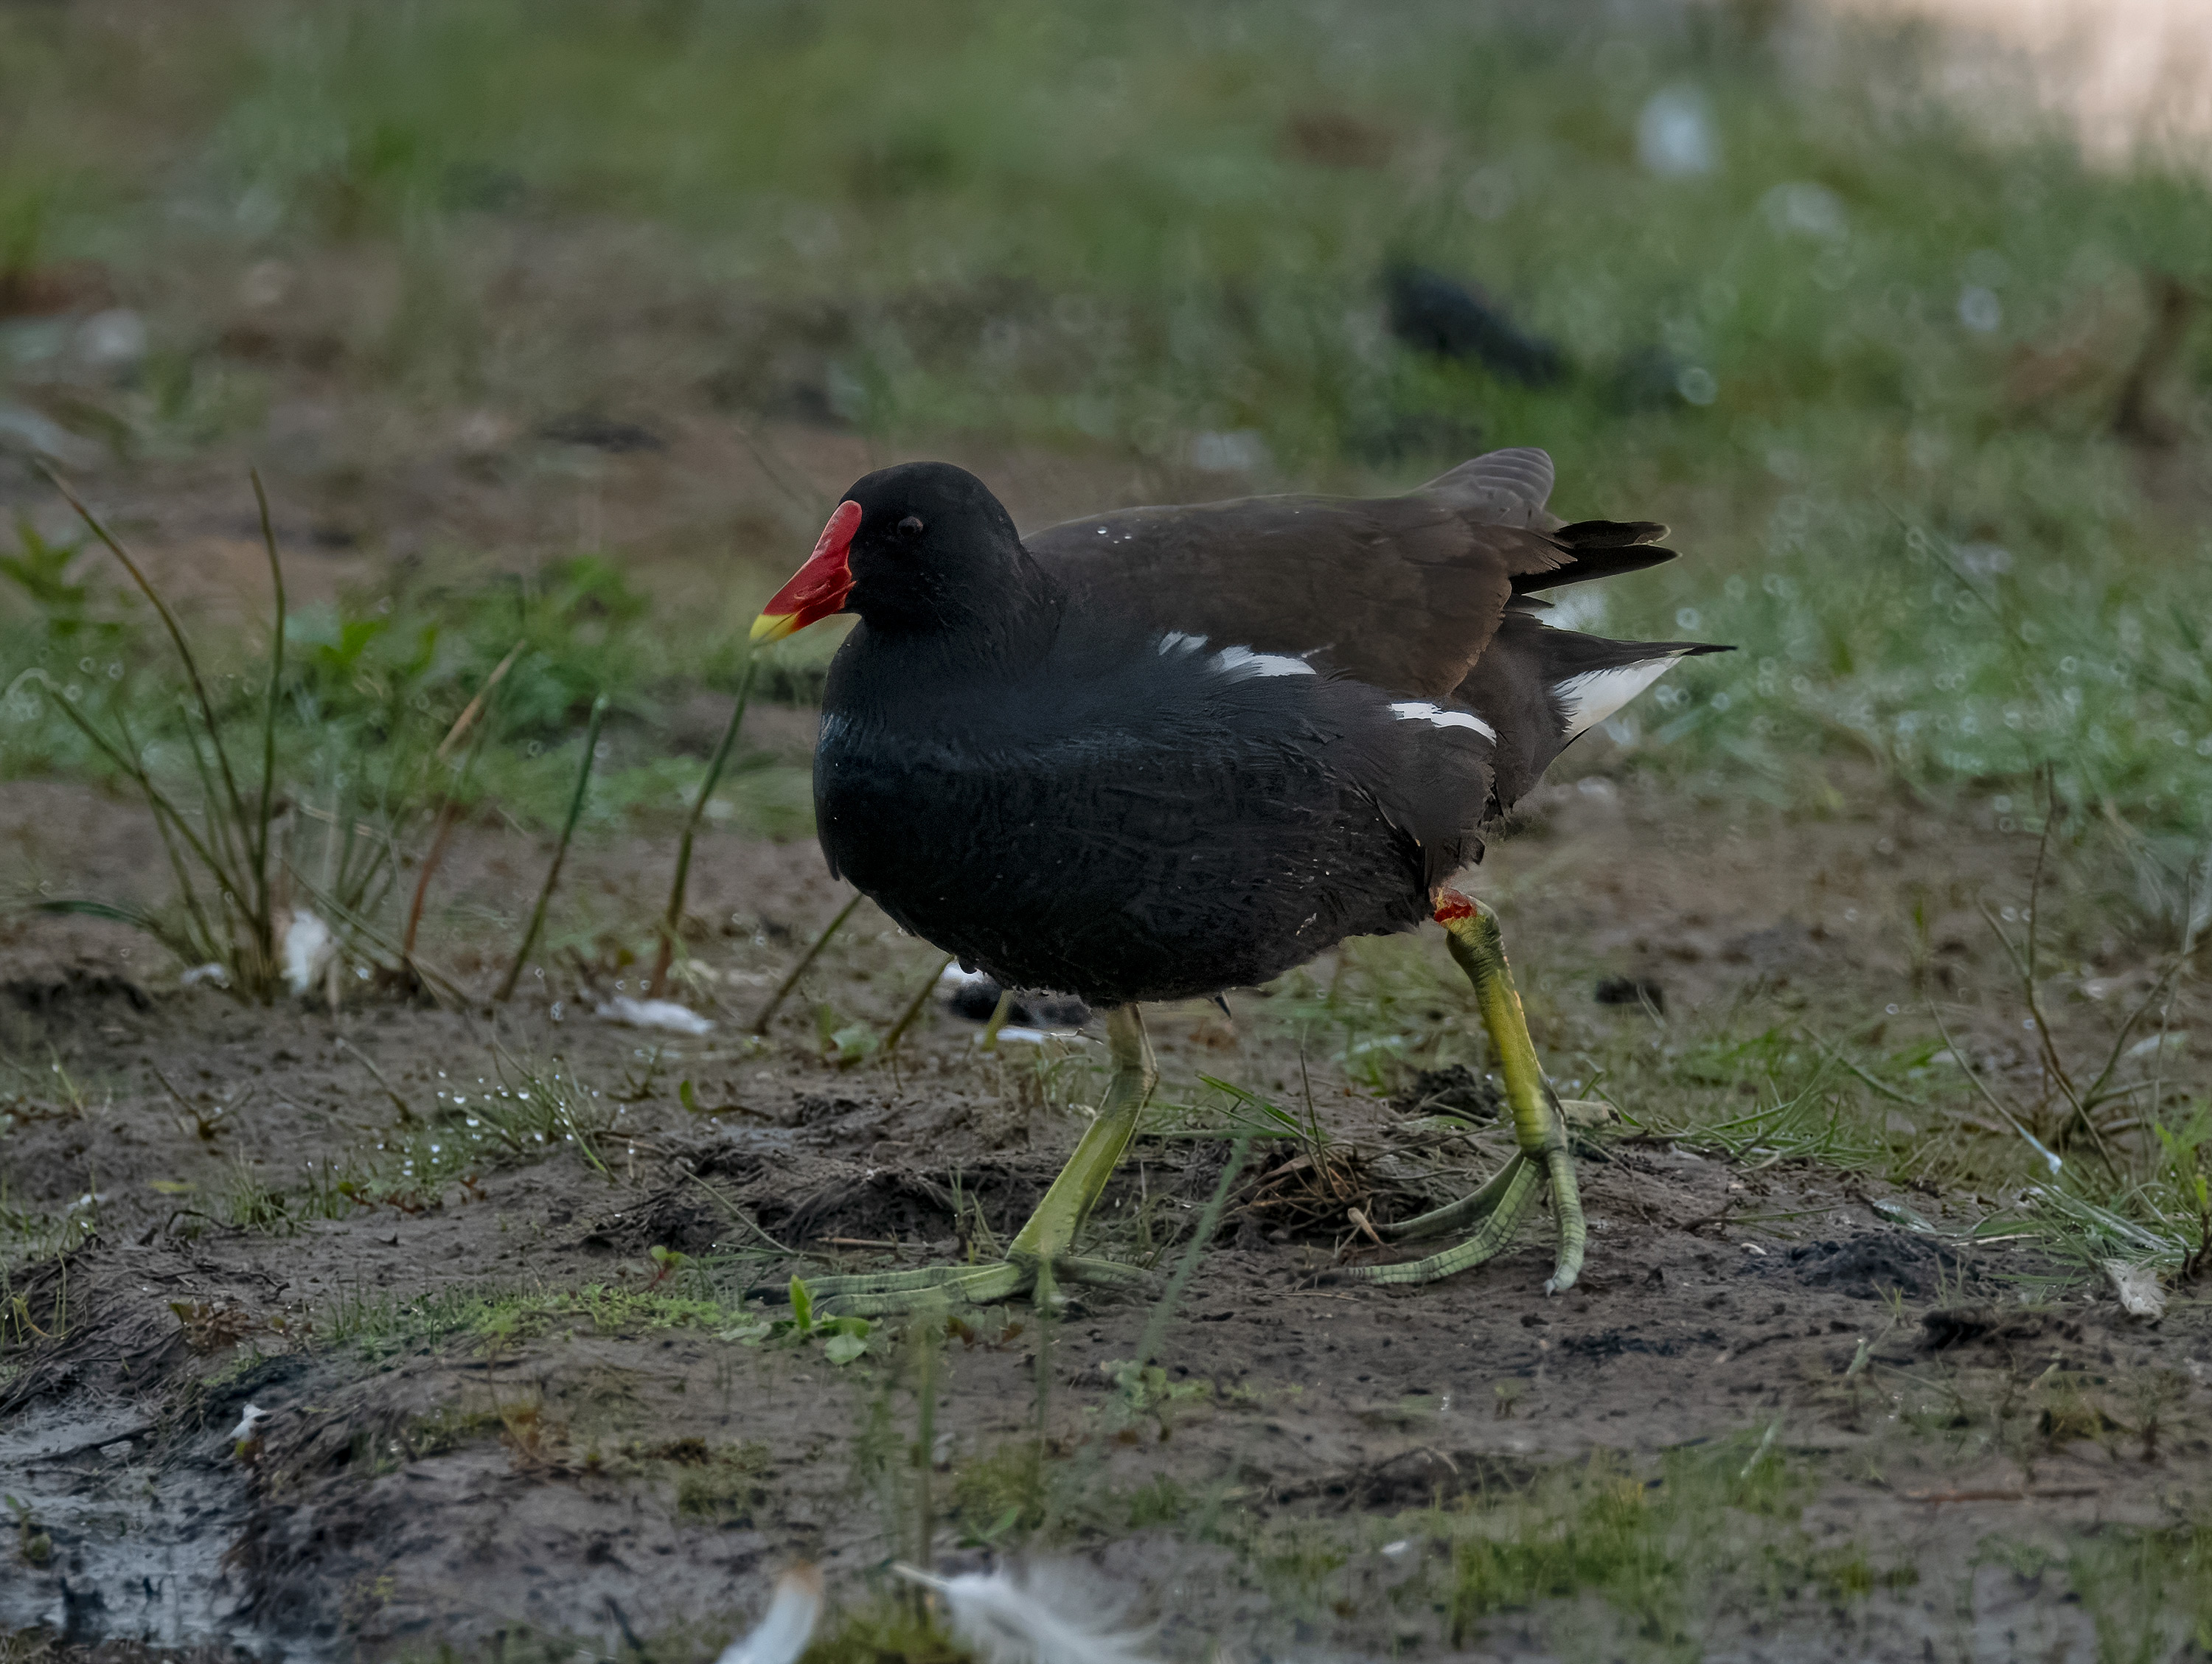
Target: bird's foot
947,1288
1495,1212
1040,1260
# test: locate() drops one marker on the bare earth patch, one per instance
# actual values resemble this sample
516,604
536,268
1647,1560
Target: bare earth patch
526,1390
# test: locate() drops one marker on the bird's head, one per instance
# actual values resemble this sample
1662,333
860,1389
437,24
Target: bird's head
920,546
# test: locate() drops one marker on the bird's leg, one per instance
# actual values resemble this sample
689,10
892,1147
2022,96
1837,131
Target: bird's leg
1496,1211
1051,1231
1040,1258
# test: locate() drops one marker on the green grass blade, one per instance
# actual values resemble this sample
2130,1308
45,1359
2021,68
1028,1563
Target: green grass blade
912,1008
559,850
269,704
790,977
674,916
235,803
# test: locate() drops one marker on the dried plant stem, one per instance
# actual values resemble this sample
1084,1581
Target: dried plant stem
126,756
448,802
430,864
559,850
470,712
912,1008
269,702
232,797
2004,1113
407,1117
790,977
672,922
2026,964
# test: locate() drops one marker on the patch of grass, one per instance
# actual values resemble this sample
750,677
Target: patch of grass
1158,1502
448,1428
2148,1592
998,1497
533,1109
1604,1556
500,1314
29,1236
884,1630
1180,238
227,902
380,1320
718,1484
1383,1011
1808,1126
352,708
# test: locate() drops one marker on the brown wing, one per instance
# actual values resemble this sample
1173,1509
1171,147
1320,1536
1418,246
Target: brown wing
1404,592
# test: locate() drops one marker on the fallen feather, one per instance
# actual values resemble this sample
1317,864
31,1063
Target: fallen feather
1036,1036
784,1630
112,340
2137,1287
1041,1620
655,1014
308,949
244,1431
1898,1214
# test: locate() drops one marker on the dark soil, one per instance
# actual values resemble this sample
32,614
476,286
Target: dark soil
418,1480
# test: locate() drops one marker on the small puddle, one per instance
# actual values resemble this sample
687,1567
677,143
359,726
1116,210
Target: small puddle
138,1541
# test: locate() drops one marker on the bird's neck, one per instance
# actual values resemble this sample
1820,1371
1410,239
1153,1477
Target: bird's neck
907,664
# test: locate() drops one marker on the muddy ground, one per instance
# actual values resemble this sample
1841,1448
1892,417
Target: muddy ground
518,1396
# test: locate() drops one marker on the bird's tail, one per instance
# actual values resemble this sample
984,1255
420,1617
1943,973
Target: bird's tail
1541,686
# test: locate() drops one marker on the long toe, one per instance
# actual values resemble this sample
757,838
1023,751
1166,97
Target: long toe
935,1288
1511,1197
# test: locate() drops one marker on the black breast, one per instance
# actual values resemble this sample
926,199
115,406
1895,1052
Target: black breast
1136,822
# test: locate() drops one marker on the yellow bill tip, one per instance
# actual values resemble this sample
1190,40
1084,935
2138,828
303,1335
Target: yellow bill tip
773,626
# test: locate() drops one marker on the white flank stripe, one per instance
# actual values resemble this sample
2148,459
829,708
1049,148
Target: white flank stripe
1415,710
1238,662
1596,694
1242,661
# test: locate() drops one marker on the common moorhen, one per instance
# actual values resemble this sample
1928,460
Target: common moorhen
1159,752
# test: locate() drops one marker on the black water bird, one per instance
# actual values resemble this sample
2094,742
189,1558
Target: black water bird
1446,318
1157,752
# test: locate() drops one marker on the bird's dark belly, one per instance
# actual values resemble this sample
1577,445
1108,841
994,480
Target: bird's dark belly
1162,881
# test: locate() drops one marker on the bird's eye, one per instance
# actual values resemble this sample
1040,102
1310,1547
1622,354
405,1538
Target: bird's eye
911,527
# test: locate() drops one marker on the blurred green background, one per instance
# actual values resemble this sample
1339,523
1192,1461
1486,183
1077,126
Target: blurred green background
1927,406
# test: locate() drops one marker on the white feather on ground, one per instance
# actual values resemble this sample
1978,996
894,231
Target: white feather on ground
655,1014
308,949
2137,1287
1042,1618
788,1624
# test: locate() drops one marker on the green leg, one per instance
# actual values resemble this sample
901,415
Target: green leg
1496,1211
1040,1257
